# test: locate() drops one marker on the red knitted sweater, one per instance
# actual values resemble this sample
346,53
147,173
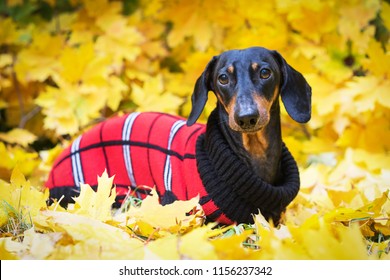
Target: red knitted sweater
140,149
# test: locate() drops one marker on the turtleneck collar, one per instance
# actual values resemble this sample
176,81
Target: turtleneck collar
233,186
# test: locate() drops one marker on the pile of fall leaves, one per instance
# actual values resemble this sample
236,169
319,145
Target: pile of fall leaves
64,65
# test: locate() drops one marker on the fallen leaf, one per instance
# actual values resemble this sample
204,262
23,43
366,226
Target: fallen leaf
18,136
97,204
21,196
88,238
173,217
203,250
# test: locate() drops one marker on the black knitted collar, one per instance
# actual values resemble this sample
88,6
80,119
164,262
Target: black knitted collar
236,190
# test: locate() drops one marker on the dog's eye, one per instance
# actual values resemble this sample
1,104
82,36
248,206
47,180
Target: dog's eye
223,79
265,73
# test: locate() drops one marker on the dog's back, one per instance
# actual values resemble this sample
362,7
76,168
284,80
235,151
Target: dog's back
140,149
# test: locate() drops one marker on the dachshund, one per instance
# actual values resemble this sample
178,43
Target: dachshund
237,163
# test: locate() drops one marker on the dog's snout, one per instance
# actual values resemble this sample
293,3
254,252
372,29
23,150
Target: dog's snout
247,119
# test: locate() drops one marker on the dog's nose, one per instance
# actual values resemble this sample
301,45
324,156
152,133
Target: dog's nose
247,119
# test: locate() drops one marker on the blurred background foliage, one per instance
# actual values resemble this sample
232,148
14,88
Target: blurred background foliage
67,64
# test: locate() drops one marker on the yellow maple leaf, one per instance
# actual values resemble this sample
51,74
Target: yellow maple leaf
12,156
40,60
95,8
152,46
353,25
7,160
115,92
172,217
385,14
84,66
153,97
4,253
300,210
87,238
379,59
366,92
342,214
372,228
372,186
97,204
57,107
164,248
361,12
346,169
4,212
373,139
318,239
275,243
334,242
183,84
193,66
18,136
365,213
250,33
232,247
203,249
333,67
371,161
325,98
190,19
383,229
120,40
344,198
8,32
311,176
375,207
21,196
273,248
5,60
70,106
299,14
34,245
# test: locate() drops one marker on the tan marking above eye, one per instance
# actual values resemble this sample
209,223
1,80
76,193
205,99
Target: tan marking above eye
255,66
230,69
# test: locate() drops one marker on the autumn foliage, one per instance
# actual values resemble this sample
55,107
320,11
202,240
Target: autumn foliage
65,65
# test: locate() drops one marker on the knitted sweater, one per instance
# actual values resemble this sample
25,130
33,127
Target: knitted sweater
154,149
233,185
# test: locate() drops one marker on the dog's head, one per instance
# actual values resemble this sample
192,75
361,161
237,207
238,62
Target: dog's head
247,83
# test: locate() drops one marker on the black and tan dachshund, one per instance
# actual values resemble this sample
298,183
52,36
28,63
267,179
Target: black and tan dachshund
238,164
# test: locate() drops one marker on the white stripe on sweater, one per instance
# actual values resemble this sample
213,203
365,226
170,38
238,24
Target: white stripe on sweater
168,165
126,133
77,168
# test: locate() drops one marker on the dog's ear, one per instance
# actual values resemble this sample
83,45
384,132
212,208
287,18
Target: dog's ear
200,95
295,91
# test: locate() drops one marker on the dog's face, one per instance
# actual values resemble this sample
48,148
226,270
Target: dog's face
247,83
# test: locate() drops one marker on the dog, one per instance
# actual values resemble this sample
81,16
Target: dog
237,164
